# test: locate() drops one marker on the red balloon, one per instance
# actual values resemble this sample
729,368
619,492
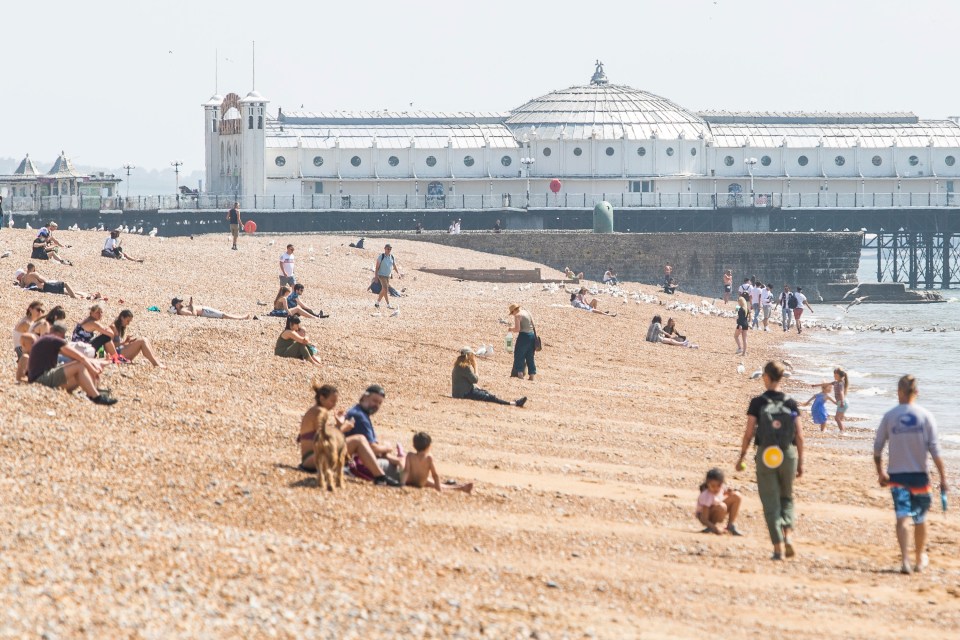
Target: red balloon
250,226
555,185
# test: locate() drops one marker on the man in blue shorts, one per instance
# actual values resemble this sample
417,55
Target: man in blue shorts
912,433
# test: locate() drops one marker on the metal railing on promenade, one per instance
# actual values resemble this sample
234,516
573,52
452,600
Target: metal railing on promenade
658,200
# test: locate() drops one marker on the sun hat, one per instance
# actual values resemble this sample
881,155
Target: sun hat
514,308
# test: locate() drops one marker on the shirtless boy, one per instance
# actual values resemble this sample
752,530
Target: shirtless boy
419,470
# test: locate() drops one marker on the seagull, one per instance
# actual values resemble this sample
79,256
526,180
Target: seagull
855,302
6,254
788,364
741,368
756,374
852,292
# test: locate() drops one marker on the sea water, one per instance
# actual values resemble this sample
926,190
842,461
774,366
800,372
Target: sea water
875,360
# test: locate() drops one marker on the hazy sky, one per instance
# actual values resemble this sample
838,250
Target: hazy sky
116,81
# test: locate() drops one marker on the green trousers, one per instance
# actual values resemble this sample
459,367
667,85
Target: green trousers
775,487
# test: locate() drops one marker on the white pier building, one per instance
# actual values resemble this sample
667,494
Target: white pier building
596,138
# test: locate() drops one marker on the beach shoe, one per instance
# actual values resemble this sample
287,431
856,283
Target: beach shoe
707,530
776,556
390,306
376,304
924,563
104,400
732,530
522,401
788,549
905,568
385,480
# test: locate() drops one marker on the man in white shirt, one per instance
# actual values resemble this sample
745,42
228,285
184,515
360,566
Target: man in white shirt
756,291
286,268
798,311
766,299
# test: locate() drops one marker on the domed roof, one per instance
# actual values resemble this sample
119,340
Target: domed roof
253,96
608,111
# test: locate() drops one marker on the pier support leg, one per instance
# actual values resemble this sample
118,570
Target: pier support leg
912,245
947,244
929,260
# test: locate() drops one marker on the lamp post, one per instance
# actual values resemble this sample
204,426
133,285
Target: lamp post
527,162
751,163
176,164
129,167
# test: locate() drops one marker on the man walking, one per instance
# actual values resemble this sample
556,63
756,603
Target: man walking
786,312
286,268
912,433
233,217
386,265
756,292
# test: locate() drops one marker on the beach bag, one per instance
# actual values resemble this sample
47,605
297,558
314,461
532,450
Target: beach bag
791,301
537,342
776,429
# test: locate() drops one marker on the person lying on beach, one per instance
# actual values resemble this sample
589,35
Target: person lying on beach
655,334
177,307
45,246
112,248
93,324
83,372
129,346
818,412
358,448
281,307
717,502
420,471
30,279
465,378
570,275
293,343
295,299
579,301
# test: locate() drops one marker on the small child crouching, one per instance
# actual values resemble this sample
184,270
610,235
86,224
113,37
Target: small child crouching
419,470
717,503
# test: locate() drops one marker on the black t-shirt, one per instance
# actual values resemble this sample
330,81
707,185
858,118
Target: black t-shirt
234,216
757,403
43,355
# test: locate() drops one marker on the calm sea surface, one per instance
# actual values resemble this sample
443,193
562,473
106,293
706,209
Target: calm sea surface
876,360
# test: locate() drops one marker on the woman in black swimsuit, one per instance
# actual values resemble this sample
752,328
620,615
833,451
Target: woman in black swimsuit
85,330
743,323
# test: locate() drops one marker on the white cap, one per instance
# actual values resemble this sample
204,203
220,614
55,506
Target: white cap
19,272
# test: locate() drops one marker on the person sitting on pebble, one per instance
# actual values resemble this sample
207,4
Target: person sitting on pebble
281,306
293,343
45,246
129,346
82,372
92,324
34,313
112,248
570,275
390,458
30,279
295,299
465,378
669,284
610,277
177,307
655,334
670,330
420,471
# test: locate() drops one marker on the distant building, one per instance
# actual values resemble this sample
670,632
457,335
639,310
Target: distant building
27,182
596,138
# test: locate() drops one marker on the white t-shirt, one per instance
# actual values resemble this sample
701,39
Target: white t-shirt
111,244
755,293
746,287
286,264
767,298
800,299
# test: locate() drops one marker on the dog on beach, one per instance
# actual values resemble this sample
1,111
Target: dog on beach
330,452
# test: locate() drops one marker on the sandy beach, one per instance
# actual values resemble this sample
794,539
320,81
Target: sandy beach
180,513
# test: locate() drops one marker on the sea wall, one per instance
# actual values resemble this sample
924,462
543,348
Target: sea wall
810,260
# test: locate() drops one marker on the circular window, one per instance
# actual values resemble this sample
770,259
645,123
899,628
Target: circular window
393,161
355,161
577,151
468,161
877,161
840,161
669,151
950,161
506,161
641,151
547,151
693,151
765,161
280,161
914,161
609,151
728,161
802,161
317,161
431,161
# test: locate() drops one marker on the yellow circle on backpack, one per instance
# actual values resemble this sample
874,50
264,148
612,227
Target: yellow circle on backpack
772,457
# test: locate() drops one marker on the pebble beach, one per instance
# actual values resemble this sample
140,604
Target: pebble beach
180,511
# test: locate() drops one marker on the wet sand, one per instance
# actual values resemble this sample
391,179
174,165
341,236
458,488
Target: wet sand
180,513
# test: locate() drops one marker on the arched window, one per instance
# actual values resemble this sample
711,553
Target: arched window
250,122
259,122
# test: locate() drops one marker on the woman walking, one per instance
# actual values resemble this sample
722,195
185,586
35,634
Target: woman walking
743,324
525,345
773,424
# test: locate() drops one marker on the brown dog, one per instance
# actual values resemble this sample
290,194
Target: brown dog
330,452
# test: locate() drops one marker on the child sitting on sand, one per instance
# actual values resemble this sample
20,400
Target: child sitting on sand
717,503
818,412
419,470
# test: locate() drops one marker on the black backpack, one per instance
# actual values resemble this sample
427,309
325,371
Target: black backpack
791,301
776,424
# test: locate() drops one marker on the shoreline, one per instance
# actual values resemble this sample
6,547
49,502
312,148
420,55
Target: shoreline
178,510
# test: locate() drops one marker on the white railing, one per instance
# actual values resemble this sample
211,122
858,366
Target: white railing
658,200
